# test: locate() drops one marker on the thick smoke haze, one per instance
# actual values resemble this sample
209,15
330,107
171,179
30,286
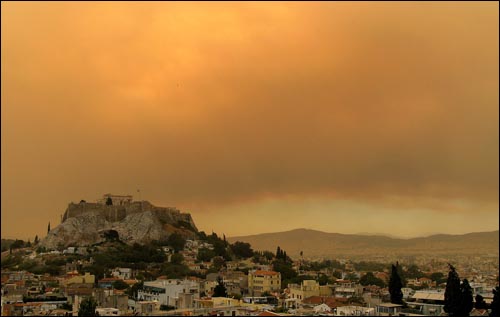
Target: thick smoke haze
255,117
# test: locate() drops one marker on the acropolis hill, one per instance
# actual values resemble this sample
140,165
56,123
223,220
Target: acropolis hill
135,221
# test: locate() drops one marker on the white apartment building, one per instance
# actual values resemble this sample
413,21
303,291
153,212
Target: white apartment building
172,292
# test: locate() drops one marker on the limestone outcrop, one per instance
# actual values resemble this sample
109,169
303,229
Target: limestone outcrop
141,222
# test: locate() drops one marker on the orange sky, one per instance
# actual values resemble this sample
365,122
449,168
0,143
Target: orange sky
255,117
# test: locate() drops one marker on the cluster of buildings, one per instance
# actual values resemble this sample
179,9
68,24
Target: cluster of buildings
252,289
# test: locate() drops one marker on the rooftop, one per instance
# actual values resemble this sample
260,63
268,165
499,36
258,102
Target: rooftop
260,272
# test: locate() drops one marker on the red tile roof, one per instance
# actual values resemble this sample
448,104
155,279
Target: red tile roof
331,301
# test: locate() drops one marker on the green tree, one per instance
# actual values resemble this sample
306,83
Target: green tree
337,274
438,277
220,289
87,307
465,298
324,280
370,279
17,244
218,262
205,255
176,241
132,291
268,255
395,285
242,249
413,271
452,294
285,269
48,228
495,303
351,277
120,285
177,258
175,270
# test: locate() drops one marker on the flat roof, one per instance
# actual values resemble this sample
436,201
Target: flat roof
429,296
389,305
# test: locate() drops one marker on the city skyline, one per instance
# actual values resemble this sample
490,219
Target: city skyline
339,117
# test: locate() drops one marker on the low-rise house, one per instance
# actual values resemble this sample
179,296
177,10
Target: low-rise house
73,278
304,290
107,282
425,281
347,289
146,308
123,273
388,309
168,292
111,299
353,311
78,290
427,302
207,287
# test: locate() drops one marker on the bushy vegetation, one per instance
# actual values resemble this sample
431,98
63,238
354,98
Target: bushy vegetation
370,279
176,241
221,246
87,307
205,255
120,285
369,266
242,250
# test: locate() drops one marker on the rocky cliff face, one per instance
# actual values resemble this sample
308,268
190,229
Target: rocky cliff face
84,224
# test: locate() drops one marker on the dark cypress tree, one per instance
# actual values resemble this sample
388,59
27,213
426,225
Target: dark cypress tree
48,228
109,201
278,252
284,256
495,303
480,303
395,286
220,289
453,293
36,240
466,298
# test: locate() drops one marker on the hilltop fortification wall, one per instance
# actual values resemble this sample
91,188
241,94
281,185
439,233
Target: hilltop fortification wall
114,213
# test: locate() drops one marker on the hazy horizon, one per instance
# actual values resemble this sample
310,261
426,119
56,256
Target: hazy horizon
254,117
389,235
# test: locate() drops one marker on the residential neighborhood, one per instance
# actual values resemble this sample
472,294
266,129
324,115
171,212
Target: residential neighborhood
209,276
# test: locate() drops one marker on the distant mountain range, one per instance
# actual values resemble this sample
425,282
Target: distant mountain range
322,244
